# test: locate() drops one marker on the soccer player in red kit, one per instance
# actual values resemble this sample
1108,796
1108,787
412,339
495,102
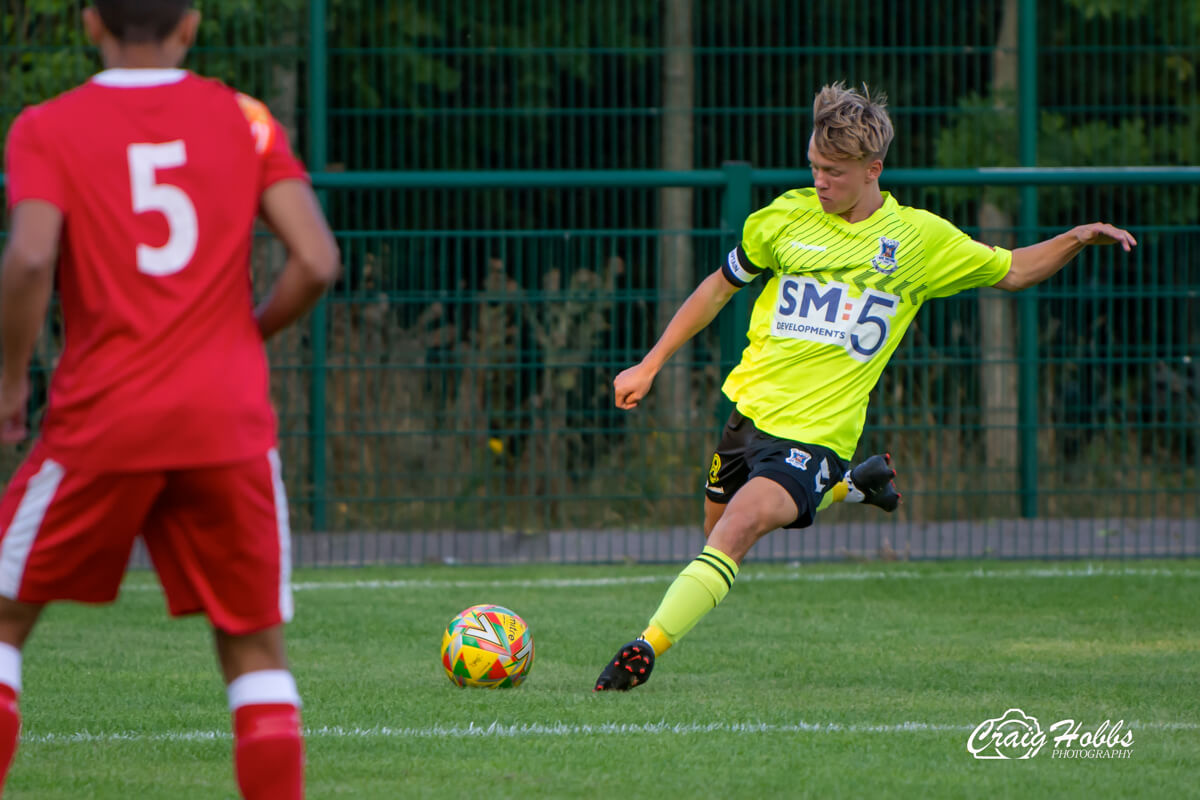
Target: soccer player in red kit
142,186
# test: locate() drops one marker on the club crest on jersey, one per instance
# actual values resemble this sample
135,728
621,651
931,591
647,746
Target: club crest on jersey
885,262
798,458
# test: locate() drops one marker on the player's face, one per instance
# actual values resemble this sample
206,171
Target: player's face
841,182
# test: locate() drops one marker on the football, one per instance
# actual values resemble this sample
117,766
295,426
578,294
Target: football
487,646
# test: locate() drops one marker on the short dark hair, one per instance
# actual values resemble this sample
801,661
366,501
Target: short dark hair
141,21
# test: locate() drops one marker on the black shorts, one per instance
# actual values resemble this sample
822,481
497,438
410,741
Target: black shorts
806,471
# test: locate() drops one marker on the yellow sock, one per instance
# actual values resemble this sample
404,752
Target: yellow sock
698,589
657,639
835,495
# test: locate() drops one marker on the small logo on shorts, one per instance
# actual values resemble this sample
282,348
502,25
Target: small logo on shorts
715,470
798,458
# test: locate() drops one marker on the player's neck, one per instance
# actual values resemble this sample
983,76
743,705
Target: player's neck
870,202
140,57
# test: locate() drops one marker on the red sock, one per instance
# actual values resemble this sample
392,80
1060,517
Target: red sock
10,729
268,751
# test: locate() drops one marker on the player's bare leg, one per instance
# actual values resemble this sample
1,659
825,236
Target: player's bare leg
16,623
712,515
268,747
871,483
756,509
262,650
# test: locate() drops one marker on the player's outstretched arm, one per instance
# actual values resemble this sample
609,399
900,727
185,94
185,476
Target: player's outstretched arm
26,283
1034,264
291,211
701,307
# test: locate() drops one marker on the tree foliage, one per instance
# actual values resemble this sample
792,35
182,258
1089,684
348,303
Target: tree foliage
1101,103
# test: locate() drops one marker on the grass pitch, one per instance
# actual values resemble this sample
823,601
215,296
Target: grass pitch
812,681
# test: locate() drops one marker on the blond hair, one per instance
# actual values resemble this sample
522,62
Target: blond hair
851,124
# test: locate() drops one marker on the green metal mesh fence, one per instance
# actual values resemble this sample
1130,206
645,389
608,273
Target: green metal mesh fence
461,370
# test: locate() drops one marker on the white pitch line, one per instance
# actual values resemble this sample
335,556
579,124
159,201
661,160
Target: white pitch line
977,573
564,729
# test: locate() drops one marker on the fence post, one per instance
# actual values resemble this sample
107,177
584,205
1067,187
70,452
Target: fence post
318,79
735,207
1027,301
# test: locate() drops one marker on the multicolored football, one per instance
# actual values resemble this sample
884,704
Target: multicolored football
487,646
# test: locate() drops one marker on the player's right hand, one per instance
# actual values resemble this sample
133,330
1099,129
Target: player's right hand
13,397
632,384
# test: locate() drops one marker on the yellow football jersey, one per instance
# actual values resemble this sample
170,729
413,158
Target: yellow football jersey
837,304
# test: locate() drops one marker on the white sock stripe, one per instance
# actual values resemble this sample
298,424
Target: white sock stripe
261,687
10,666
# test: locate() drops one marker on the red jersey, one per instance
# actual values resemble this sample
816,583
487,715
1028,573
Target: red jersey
158,174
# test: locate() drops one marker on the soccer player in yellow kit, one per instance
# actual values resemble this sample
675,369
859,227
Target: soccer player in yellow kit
848,268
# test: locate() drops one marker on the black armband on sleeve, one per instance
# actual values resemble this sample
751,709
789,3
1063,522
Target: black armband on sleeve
738,269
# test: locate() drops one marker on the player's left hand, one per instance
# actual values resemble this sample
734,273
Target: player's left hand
14,395
1103,233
